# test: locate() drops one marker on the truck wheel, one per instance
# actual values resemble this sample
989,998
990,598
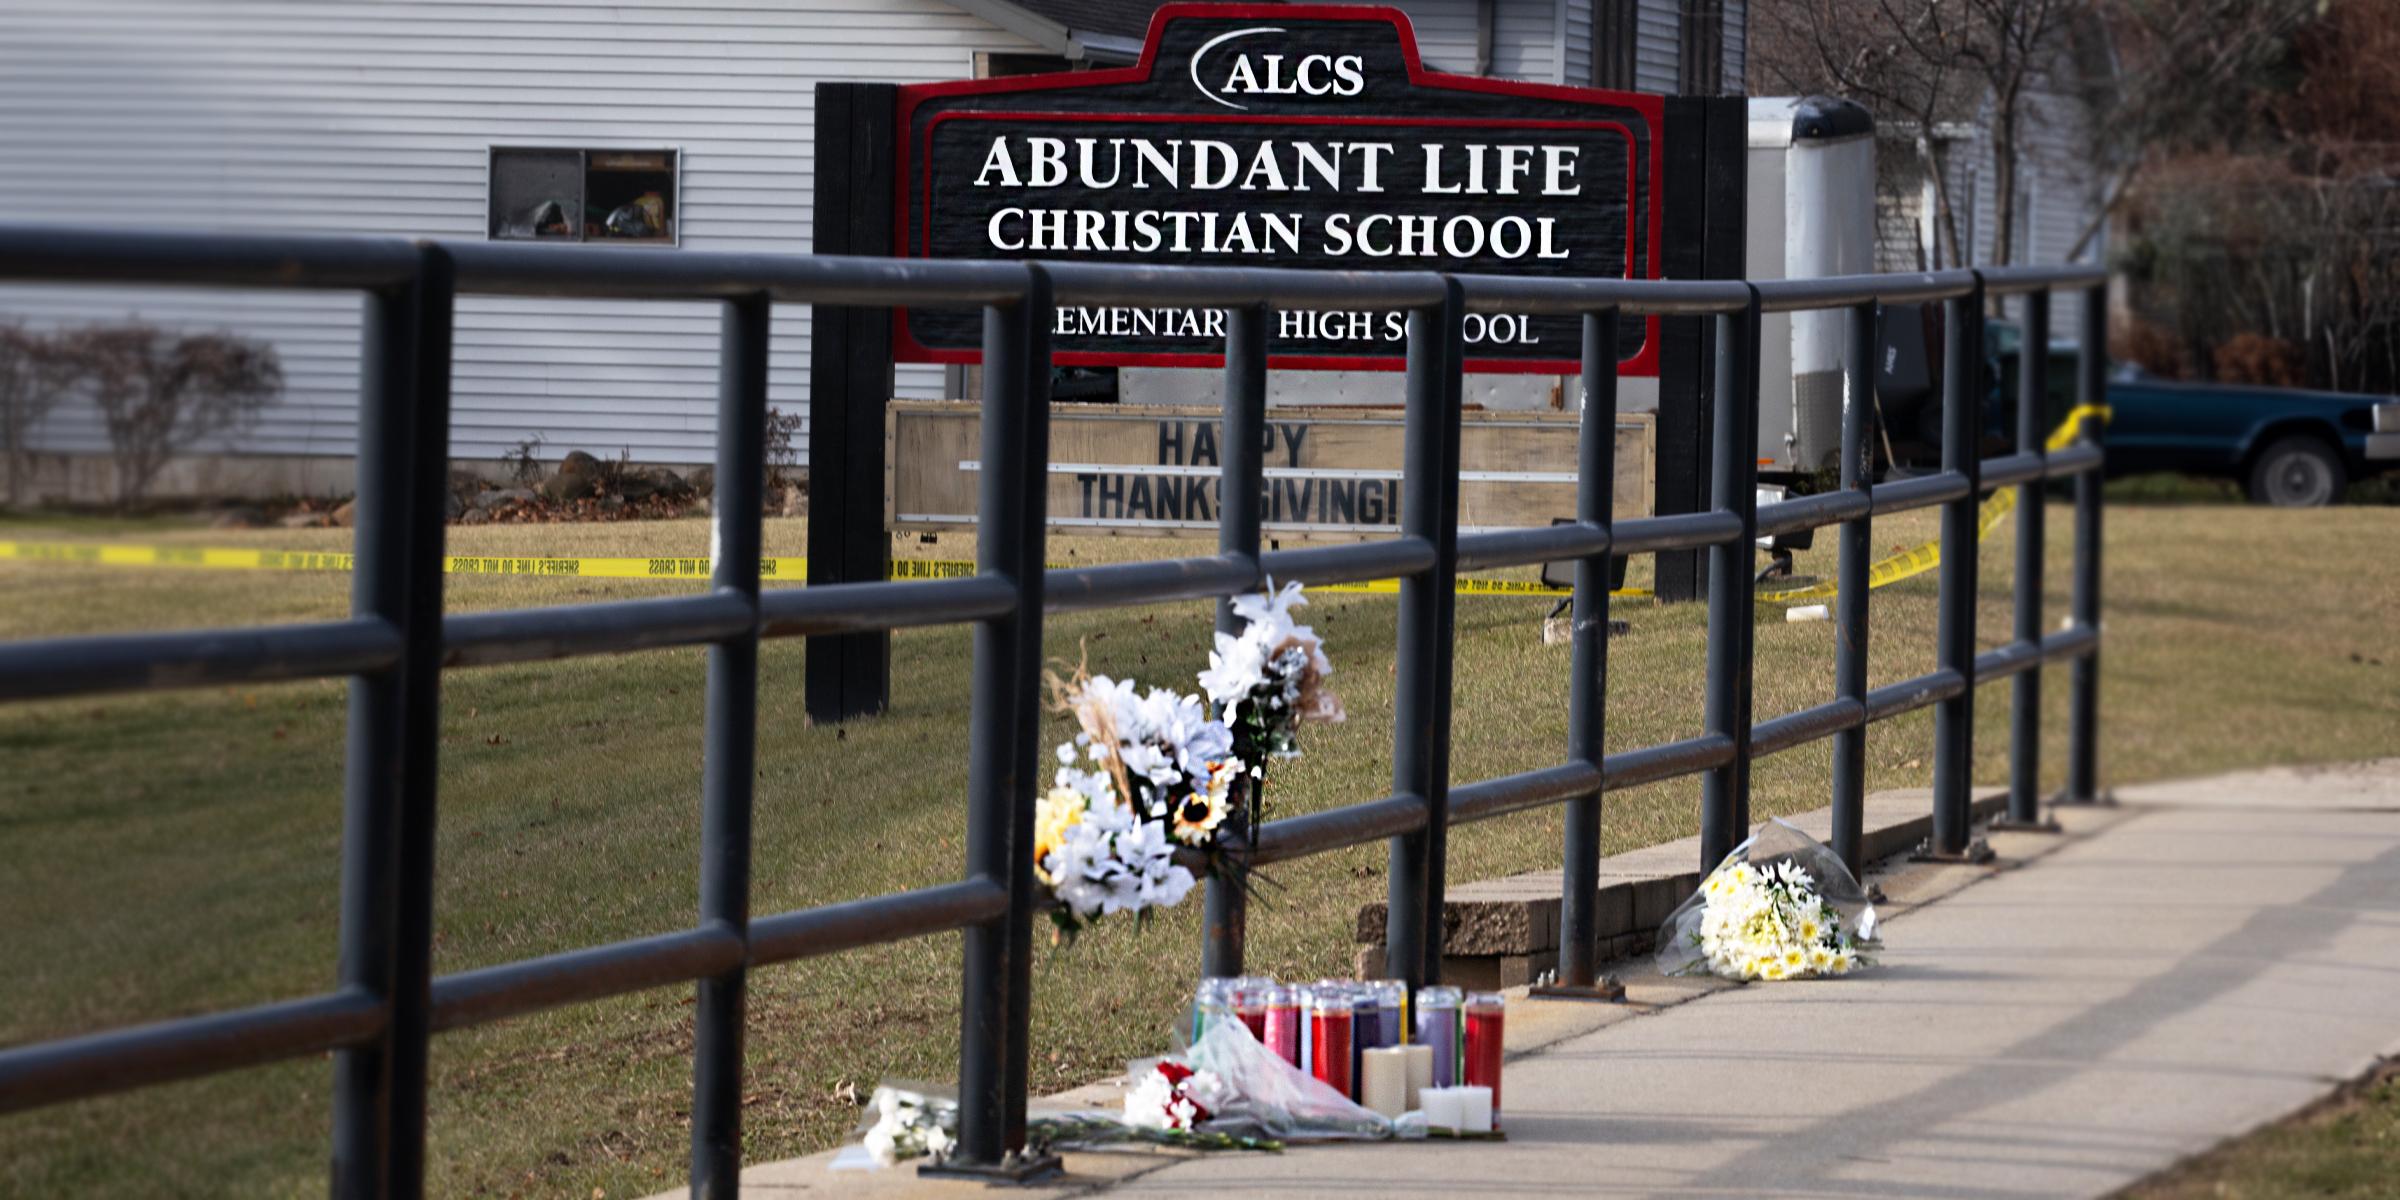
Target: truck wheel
2297,472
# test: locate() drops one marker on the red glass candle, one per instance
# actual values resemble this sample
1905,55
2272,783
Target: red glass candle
1283,1025
1485,1011
1330,1050
1252,1005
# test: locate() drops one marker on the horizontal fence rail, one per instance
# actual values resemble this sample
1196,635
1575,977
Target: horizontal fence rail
386,1004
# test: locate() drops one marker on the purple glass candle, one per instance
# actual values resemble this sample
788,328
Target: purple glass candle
1437,1026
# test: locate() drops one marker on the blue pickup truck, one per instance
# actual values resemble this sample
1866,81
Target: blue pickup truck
2286,446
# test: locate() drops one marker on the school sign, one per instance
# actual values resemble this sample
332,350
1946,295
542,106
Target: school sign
1292,136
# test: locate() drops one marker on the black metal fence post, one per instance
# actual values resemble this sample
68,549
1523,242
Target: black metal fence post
1033,541
420,724
1954,718
1850,603
1412,938
731,753
1587,690
2083,721
1240,512
992,733
2025,696
1725,790
374,761
1445,628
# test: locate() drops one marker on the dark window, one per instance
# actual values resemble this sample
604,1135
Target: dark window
619,196
995,66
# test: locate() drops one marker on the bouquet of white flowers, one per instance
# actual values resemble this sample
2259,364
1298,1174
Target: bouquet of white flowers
915,1120
1151,772
1781,906
1270,677
910,1120
1171,1095
1146,774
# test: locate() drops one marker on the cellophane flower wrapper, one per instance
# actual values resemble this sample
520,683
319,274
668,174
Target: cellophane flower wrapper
1266,1097
1778,852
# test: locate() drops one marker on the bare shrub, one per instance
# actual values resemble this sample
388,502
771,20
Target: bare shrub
30,383
2134,340
524,460
160,394
783,456
2255,358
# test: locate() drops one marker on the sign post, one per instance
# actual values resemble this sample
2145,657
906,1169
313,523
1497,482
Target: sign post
849,382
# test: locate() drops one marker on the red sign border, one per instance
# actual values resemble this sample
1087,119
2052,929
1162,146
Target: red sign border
907,349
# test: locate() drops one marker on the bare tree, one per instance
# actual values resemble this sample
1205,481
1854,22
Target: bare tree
1905,60
2014,45
159,394
30,382
2182,76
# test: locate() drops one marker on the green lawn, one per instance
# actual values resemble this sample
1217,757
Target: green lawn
171,854
2346,1147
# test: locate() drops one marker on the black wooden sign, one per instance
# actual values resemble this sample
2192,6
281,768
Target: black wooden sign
1305,136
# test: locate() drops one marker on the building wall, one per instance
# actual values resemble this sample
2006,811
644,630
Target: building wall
1655,51
1525,40
375,117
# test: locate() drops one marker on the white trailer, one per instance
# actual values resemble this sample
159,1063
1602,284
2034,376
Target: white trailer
1812,214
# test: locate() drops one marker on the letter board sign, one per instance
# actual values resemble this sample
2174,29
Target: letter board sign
1295,136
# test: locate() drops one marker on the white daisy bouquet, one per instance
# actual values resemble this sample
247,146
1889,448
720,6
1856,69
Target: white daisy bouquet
1781,906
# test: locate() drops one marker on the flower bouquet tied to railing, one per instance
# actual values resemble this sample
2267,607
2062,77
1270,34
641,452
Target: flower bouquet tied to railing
1781,906
1150,772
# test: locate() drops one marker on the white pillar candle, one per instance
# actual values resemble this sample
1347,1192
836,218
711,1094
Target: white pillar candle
1383,1085
1475,1105
1444,1107
1420,1073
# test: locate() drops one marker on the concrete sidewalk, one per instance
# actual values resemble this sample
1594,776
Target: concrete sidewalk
2206,957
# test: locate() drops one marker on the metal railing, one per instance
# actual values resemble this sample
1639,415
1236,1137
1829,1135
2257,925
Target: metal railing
388,1004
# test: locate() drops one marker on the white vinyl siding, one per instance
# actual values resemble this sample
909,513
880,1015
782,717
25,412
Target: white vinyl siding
377,117
1445,32
1576,58
1525,40
1655,64
1737,47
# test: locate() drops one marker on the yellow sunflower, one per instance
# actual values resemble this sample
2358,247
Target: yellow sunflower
1197,816
1058,811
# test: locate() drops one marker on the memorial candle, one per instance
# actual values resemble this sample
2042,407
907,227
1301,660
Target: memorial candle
1331,1029
1476,1109
1485,1011
1211,1001
1437,1026
1283,1024
1383,1081
1251,1003
1366,1033
1444,1108
1420,1074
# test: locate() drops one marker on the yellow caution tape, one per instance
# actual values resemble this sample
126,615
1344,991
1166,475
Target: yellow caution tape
222,559
1923,557
1914,561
